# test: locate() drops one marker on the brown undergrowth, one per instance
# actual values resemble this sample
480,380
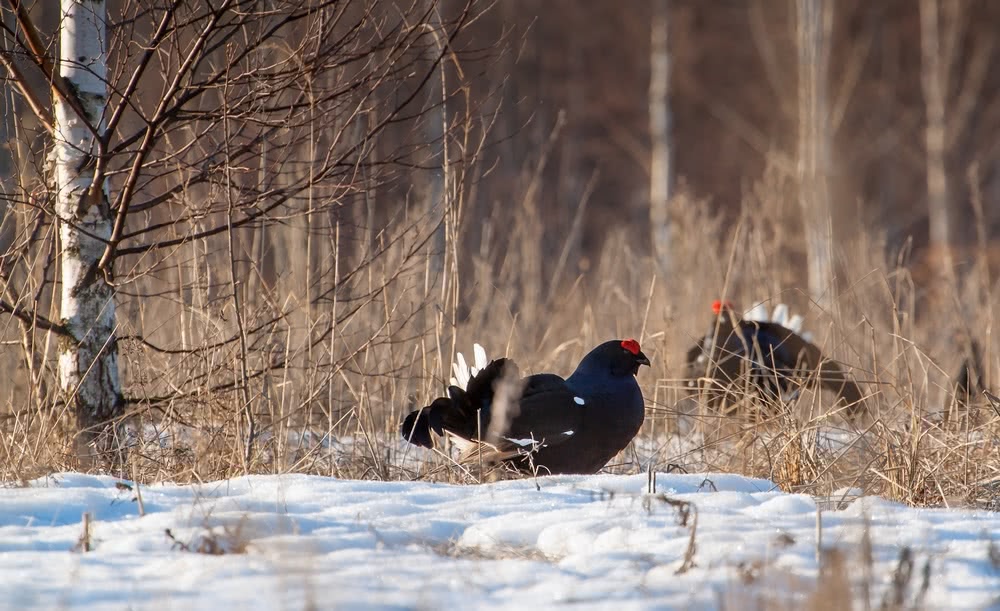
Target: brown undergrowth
329,385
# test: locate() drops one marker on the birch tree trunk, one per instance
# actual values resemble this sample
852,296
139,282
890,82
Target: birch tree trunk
88,355
813,26
660,168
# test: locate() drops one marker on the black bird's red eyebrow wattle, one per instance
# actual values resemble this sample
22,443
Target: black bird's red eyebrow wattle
631,345
719,305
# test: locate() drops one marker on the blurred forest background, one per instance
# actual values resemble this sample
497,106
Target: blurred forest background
535,175
733,101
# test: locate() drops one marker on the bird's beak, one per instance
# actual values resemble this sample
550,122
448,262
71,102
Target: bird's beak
642,359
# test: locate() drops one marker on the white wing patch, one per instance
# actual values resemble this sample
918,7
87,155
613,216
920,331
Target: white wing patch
578,400
524,443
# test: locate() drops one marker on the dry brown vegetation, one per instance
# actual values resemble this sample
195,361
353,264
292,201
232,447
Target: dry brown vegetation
343,421
336,323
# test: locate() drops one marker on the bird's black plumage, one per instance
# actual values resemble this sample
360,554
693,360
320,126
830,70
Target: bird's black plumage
543,423
766,358
969,383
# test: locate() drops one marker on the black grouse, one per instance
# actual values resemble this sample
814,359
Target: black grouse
543,423
969,384
764,356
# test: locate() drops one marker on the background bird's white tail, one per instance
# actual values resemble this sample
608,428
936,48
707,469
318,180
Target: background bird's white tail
780,315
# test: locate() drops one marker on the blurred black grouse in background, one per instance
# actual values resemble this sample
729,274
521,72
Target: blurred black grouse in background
766,356
969,383
542,423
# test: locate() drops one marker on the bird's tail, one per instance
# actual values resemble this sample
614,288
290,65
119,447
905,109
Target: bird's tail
780,315
463,372
464,413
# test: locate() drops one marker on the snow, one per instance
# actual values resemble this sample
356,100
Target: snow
296,541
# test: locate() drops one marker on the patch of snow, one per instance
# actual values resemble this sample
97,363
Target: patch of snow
297,541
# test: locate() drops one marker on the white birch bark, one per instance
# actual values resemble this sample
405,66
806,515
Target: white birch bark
88,359
813,25
659,133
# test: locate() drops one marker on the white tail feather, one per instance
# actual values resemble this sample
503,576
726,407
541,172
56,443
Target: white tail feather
481,360
758,313
780,315
463,371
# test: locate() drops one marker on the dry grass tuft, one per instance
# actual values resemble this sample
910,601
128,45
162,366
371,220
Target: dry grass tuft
217,541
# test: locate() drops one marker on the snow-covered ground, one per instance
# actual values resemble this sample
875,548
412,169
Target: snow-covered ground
596,542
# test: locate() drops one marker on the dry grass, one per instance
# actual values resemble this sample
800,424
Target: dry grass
847,579
217,541
348,369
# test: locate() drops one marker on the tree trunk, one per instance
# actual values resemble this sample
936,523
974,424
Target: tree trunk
932,79
88,357
659,134
435,136
8,184
813,17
